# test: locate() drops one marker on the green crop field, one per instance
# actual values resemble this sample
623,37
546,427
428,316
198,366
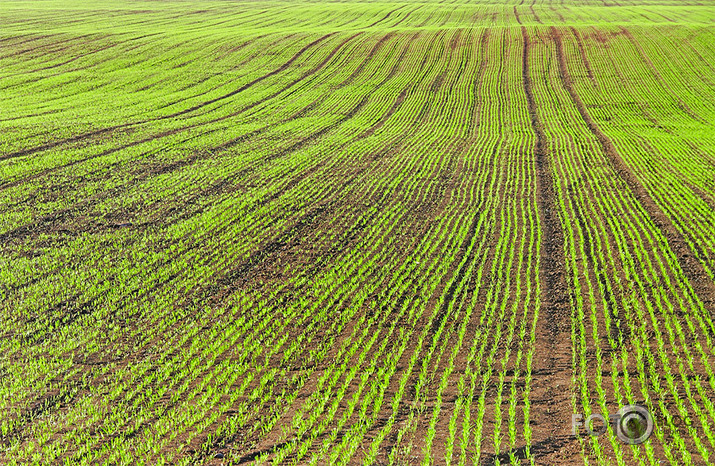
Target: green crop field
356,232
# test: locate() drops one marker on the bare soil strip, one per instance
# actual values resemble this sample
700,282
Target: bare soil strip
310,73
251,83
582,50
405,17
385,17
682,105
533,12
691,267
552,361
90,134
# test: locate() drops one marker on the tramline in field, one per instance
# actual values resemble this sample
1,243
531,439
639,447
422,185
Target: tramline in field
357,232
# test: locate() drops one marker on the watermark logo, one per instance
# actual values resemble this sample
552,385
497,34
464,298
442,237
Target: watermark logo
633,424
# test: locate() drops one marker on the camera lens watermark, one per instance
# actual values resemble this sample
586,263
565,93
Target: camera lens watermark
632,424
635,424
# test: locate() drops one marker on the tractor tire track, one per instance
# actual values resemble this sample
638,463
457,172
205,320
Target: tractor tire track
385,17
307,75
654,71
250,83
402,20
533,12
375,49
586,62
57,65
686,257
552,354
46,45
474,117
220,147
109,129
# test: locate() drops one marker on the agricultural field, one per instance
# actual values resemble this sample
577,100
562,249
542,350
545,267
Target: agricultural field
356,232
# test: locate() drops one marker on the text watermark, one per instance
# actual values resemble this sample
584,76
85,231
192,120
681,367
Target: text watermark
632,424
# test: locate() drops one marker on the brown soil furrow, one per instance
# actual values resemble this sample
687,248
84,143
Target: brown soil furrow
60,142
552,405
391,147
586,62
364,63
393,108
691,267
308,74
474,116
681,104
533,12
538,450
101,154
47,45
556,12
49,222
90,134
252,83
385,17
57,65
402,20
